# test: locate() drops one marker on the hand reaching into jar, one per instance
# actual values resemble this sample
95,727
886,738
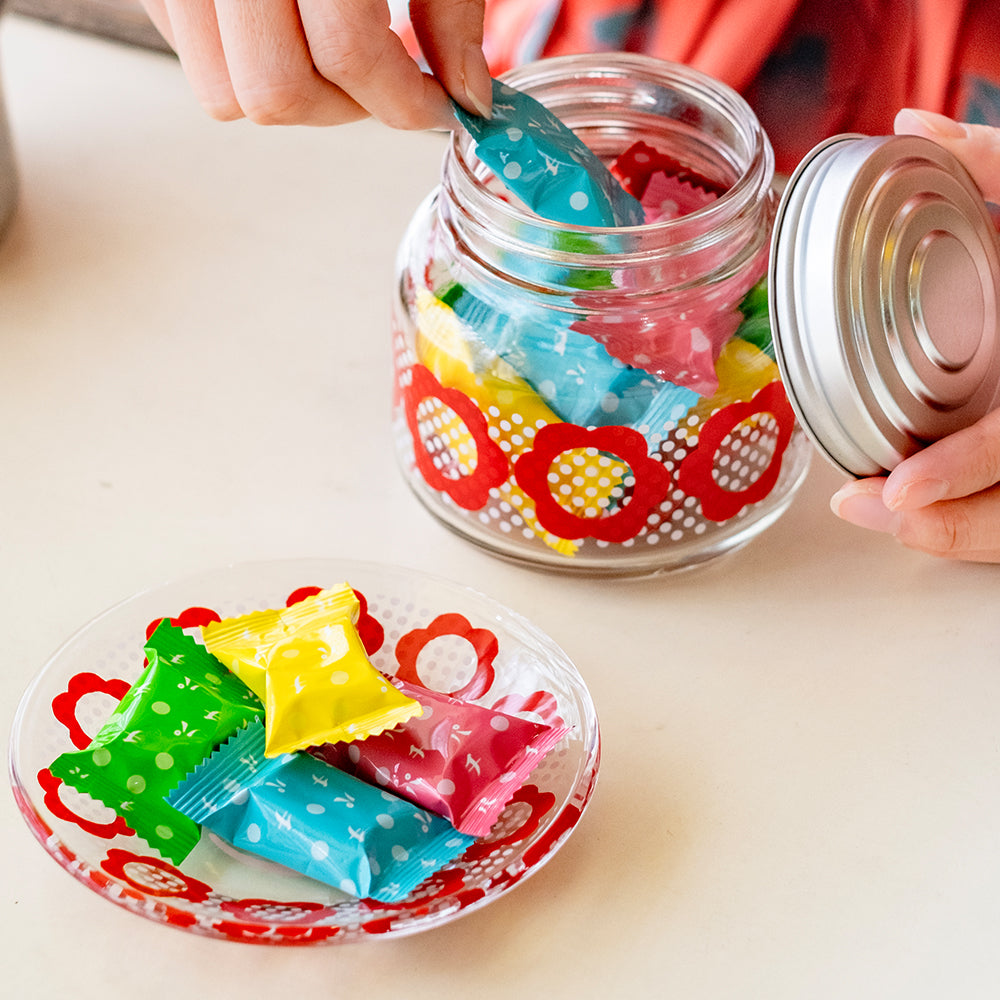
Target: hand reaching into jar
945,499
327,62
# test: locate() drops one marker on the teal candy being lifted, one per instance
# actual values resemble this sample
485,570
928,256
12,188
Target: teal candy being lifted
545,164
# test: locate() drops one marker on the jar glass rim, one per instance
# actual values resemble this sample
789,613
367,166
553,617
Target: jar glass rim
753,162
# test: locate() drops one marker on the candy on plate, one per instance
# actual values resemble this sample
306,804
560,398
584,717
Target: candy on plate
183,705
308,816
309,665
460,760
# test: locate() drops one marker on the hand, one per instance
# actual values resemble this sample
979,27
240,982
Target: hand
945,499
327,62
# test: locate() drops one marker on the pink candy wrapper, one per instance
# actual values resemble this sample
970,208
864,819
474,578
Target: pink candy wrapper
678,333
459,760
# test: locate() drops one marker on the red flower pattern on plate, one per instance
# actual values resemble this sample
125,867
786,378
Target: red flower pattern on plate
370,629
482,640
538,803
64,705
471,491
50,786
153,876
543,703
651,480
253,919
188,618
152,886
695,473
237,931
439,889
273,910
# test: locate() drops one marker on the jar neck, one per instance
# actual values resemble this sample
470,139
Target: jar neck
612,101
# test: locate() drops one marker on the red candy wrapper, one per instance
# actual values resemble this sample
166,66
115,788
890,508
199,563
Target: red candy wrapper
680,339
668,197
459,760
641,162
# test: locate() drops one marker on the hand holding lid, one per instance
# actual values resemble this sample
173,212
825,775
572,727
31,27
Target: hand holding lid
945,498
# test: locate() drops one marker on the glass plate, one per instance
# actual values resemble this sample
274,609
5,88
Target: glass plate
218,890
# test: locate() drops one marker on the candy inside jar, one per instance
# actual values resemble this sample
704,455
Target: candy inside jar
600,399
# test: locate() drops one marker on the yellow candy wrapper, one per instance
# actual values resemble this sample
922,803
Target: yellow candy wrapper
742,369
494,386
308,665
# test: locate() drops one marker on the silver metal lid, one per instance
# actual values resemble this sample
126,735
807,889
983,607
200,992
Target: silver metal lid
884,291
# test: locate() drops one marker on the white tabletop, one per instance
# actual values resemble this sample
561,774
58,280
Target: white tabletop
800,788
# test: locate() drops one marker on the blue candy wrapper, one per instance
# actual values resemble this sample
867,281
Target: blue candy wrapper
570,371
544,163
304,814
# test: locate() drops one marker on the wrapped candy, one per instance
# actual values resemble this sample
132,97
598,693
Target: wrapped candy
572,372
184,704
546,165
309,666
674,333
460,760
302,813
641,165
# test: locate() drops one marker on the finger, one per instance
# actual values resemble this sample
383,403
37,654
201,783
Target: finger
353,47
194,35
959,529
271,67
450,33
968,528
861,503
959,465
976,146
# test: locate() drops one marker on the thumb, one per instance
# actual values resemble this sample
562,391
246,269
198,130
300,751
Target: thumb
450,33
977,147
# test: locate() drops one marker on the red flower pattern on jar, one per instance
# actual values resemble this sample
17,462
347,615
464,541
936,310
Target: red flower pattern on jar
696,473
470,490
647,481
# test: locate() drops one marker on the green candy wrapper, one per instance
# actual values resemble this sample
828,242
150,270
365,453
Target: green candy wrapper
184,704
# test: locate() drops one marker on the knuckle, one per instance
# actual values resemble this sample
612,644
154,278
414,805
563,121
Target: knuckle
229,111
946,531
282,103
404,118
218,101
971,457
351,66
985,454
344,61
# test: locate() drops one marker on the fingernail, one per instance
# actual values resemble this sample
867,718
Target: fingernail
866,510
919,493
477,82
910,121
445,120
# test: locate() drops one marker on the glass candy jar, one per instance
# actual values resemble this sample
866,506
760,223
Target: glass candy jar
600,400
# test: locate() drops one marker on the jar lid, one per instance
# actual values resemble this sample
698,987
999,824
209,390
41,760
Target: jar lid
884,289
